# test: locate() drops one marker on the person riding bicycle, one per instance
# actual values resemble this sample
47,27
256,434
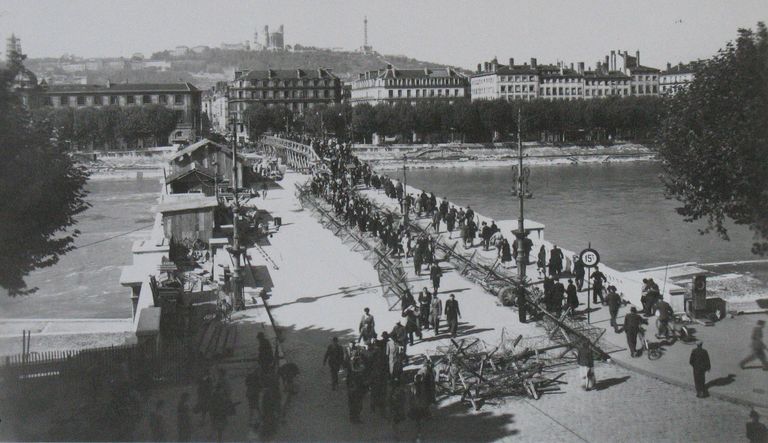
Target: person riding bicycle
665,316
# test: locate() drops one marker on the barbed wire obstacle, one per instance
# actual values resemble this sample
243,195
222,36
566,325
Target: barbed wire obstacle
392,276
514,366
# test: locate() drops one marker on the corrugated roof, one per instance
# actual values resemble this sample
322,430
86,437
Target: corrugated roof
123,87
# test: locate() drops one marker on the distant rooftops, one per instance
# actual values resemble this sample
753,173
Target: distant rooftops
390,72
122,87
267,74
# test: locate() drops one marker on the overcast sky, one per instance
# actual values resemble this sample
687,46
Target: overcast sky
460,33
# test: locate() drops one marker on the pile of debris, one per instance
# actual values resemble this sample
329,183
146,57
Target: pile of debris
519,366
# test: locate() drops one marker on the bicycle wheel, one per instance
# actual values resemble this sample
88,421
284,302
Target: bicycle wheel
654,353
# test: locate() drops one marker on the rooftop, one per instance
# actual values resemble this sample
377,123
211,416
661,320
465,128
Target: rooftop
299,73
123,87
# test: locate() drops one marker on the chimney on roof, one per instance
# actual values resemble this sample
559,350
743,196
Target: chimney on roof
511,62
637,57
581,68
494,64
109,83
613,61
479,68
669,66
389,66
571,66
607,63
533,63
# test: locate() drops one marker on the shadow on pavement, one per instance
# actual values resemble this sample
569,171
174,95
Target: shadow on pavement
722,381
609,382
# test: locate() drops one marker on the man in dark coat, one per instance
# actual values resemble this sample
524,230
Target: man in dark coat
556,260
632,322
578,272
614,302
700,362
572,296
434,274
452,314
485,234
334,356
522,306
598,278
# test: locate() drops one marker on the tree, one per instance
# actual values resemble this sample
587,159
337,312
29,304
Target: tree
714,141
41,191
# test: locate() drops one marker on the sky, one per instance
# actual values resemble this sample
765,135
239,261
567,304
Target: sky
454,32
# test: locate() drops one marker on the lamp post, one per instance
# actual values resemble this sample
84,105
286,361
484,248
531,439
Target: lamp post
405,194
237,288
520,234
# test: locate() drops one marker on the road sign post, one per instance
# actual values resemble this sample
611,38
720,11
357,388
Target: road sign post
590,258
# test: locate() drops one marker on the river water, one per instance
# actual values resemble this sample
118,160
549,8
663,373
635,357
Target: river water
617,207
85,282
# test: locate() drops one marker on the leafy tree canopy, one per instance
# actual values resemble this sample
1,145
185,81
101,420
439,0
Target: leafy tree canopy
41,192
714,142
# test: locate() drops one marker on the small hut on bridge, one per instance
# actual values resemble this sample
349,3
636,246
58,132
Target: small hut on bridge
201,166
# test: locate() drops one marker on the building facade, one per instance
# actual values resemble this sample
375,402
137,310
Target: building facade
215,107
392,85
296,89
620,75
676,78
183,98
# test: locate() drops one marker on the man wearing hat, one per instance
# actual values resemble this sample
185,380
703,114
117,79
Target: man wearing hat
632,322
758,347
756,431
700,362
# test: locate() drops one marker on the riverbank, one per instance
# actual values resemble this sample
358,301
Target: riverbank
459,156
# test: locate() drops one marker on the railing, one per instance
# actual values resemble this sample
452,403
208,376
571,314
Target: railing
295,154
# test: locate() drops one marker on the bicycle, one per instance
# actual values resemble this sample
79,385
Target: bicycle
677,328
653,353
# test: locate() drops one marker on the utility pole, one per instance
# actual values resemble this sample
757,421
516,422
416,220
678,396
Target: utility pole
520,234
237,287
405,194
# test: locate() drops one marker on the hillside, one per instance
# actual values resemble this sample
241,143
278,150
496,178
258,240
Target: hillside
212,65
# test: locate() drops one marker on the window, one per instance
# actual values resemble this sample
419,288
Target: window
80,100
239,94
129,99
48,101
178,99
146,99
399,92
162,99
408,93
114,100
391,93
285,94
456,92
326,93
96,100
179,116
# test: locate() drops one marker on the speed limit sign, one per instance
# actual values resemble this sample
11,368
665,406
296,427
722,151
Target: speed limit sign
589,257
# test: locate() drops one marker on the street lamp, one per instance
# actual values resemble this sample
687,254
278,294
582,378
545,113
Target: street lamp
405,194
522,193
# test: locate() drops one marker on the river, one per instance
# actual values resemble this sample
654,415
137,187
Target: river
85,283
619,208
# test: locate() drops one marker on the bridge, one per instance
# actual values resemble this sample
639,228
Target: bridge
294,154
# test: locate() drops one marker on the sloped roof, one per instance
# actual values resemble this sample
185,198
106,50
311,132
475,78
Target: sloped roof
299,73
122,87
643,69
191,169
185,204
195,146
611,75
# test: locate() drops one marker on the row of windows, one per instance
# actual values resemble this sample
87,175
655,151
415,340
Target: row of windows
599,92
283,83
100,100
518,78
325,93
645,89
562,91
423,93
425,82
519,88
646,78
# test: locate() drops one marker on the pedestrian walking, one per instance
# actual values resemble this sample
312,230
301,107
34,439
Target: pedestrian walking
756,431
485,234
452,314
425,302
556,261
572,297
614,302
412,323
578,272
266,354
434,274
264,188
632,322
505,254
183,419
450,221
598,278
367,327
586,360
700,362
288,373
334,356
435,311
156,425
204,392
356,384
541,261
253,392
522,304
758,347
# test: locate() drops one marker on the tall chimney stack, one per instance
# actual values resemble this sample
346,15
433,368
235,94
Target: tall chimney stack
613,61
479,68
637,57
669,66
581,68
511,62
533,63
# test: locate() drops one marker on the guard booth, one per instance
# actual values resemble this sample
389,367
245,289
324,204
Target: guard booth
699,305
